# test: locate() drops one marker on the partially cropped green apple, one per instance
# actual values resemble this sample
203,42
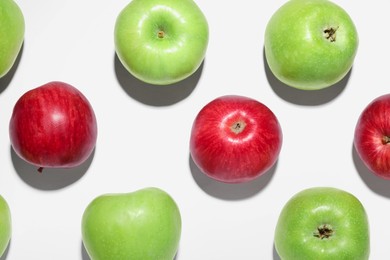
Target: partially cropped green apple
161,41
140,225
11,34
323,223
5,225
310,44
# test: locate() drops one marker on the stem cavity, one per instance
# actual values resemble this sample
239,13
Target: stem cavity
385,139
323,231
238,127
160,34
330,33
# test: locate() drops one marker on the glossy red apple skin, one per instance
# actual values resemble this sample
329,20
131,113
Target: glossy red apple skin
53,126
235,139
372,136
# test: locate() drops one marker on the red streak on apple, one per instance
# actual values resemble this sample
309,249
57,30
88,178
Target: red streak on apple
235,139
372,135
53,126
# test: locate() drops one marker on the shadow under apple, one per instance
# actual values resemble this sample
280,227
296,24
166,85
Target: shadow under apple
375,183
230,191
6,79
304,97
275,255
155,95
49,178
5,254
84,254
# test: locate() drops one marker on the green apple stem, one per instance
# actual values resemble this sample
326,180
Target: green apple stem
238,127
160,34
323,231
330,33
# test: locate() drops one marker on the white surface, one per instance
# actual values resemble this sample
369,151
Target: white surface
144,130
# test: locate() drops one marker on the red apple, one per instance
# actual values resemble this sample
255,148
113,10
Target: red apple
53,126
372,136
235,139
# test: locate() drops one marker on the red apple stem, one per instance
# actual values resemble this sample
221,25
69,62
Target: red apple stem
238,127
385,139
40,169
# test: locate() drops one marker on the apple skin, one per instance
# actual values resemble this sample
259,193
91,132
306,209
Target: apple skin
372,136
5,225
161,41
144,224
298,46
235,139
12,29
297,233
53,126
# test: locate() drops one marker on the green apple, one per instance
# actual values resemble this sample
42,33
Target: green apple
322,223
140,225
310,44
161,41
5,225
11,34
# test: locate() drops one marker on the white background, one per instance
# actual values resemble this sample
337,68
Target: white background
144,130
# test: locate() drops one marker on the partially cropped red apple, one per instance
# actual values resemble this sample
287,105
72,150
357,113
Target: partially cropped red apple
53,126
372,136
235,139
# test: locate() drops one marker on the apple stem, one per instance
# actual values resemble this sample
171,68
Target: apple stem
238,127
40,169
160,34
385,139
330,34
323,231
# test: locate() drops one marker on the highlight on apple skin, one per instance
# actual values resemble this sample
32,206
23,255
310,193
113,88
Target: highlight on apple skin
53,126
161,42
235,139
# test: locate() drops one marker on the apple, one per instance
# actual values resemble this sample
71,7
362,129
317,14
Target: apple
235,139
143,224
372,136
11,34
5,225
310,44
323,223
161,41
53,126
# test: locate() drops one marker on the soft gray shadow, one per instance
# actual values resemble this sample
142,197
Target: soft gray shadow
275,255
304,97
84,254
5,254
6,79
48,179
373,182
155,95
230,191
